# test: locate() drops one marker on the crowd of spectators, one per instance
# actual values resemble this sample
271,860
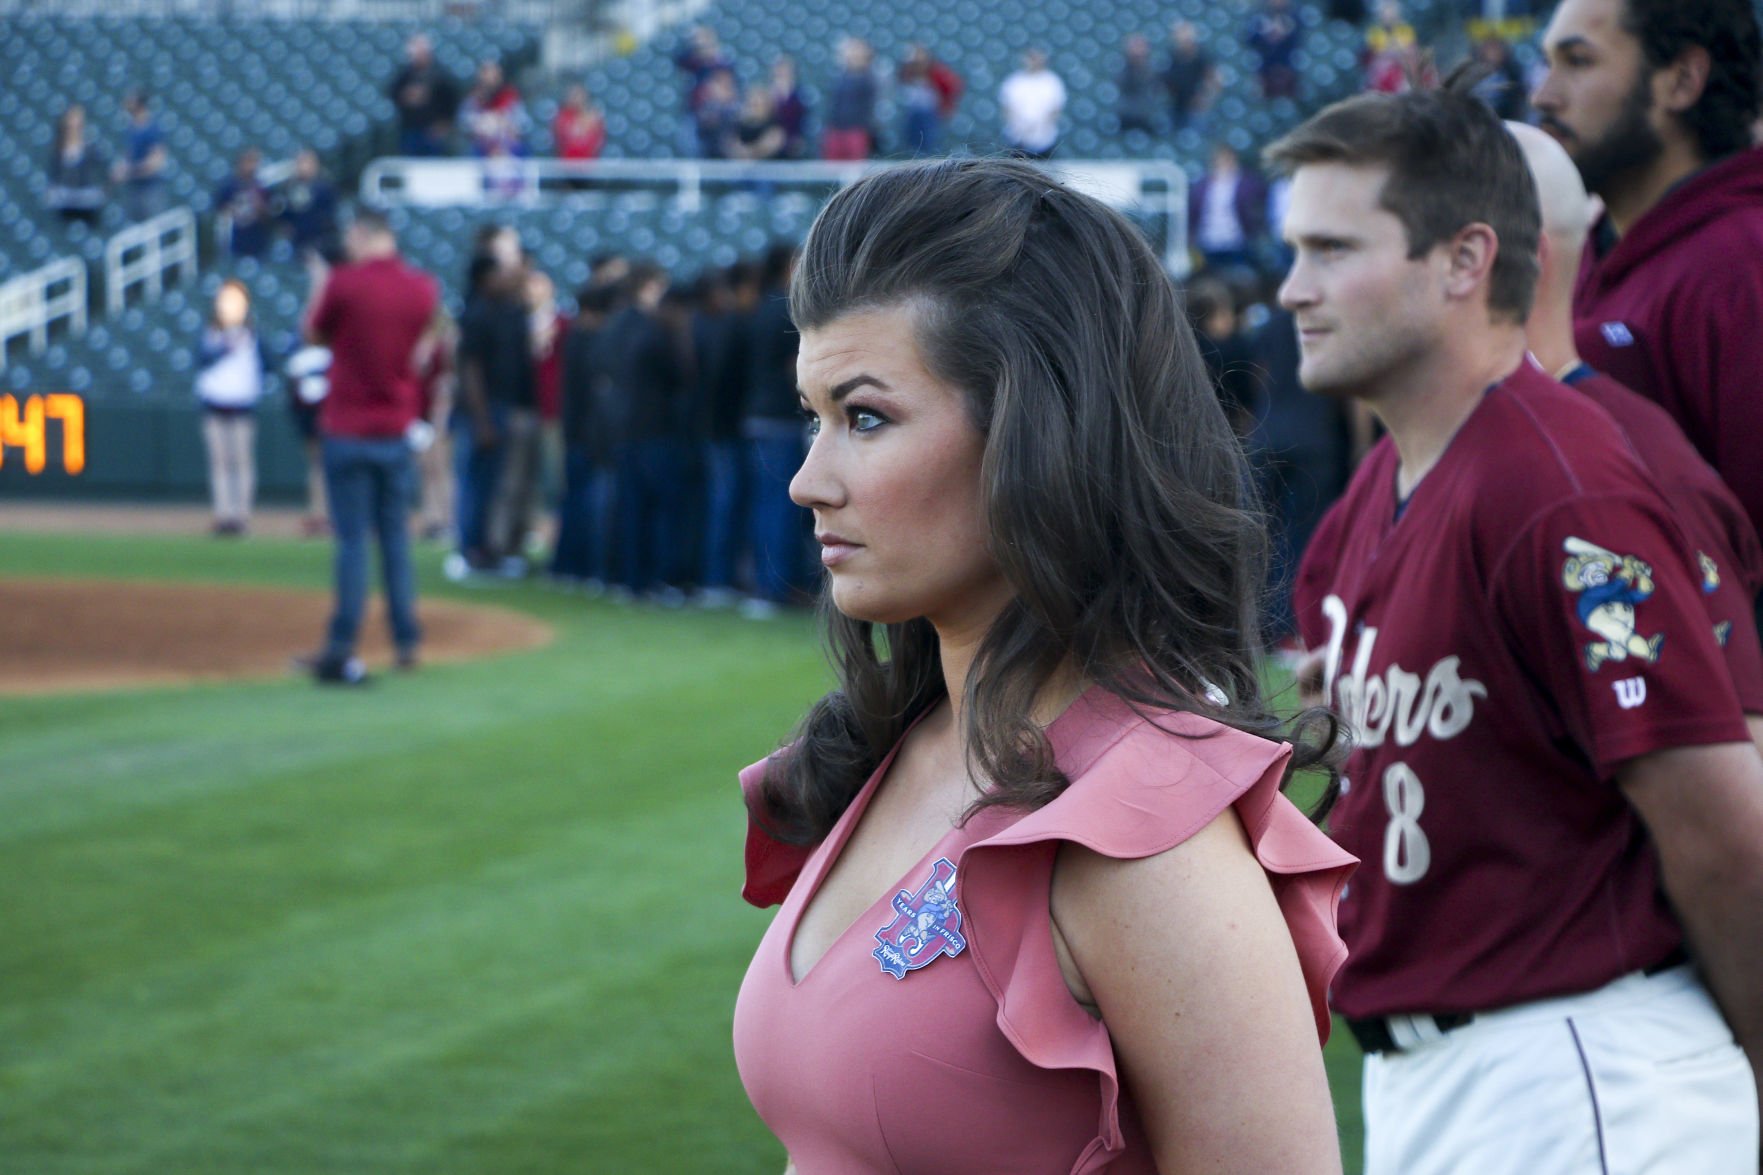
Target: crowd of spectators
251,214
1153,97
640,448
768,119
656,410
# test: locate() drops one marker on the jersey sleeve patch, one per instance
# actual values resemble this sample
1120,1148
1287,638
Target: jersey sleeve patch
1610,589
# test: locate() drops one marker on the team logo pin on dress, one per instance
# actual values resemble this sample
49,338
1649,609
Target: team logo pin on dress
926,925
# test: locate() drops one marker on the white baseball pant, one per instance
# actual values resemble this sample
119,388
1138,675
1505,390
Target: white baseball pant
1640,1076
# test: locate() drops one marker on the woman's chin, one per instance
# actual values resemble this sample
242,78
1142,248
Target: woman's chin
852,601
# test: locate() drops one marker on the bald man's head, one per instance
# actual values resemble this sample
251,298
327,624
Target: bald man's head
1567,209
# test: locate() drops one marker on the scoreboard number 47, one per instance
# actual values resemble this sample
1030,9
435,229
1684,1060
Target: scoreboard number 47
24,425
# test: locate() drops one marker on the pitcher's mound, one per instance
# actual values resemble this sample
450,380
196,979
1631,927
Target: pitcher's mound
80,634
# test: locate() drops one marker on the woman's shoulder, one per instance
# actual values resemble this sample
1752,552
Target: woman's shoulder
771,864
1142,780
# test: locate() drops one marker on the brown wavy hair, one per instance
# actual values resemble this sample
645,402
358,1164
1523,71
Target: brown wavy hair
1119,503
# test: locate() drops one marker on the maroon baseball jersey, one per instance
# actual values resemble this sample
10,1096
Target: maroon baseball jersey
1675,311
1500,644
1725,544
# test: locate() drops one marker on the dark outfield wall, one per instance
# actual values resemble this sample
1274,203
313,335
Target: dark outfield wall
135,448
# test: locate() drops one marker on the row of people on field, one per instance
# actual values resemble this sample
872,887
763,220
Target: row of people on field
667,411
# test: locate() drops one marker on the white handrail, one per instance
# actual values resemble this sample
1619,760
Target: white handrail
143,253
32,302
535,11
1147,185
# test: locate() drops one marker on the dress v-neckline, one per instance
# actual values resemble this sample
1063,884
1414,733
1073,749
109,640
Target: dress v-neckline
833,848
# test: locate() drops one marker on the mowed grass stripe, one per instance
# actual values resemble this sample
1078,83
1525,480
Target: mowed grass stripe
470,898
478,919
77,750
372,996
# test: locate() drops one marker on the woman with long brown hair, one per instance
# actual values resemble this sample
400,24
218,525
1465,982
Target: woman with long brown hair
1045,907
76,170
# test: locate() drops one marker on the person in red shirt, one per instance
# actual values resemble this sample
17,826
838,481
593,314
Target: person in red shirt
1728,554
579,130
377,315
550,328
1654,101
1552,785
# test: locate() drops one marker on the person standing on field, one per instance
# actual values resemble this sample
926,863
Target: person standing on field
1556,943
377,315
1032,101
230,377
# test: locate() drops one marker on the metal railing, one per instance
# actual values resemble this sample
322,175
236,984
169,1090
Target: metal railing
516,11
33,302
142,254
1144,186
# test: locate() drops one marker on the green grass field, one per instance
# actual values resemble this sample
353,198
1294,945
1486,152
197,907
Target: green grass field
483,918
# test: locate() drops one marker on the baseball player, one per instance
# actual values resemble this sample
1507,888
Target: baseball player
1552,789
1729,558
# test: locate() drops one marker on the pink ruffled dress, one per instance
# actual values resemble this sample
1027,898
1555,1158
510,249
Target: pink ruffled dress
937,1034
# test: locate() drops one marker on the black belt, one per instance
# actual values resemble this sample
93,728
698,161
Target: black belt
1374,1036
1373,1033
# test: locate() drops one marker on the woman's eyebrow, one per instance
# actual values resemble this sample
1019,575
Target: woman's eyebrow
845,387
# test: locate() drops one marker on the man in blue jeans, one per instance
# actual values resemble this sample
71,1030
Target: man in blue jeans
378,316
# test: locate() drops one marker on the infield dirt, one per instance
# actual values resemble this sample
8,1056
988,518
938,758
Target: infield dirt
61,635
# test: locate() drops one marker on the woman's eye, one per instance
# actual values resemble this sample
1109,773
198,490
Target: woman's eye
863,420
810,420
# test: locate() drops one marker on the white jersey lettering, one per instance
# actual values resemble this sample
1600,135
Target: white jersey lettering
1407,854
1440,704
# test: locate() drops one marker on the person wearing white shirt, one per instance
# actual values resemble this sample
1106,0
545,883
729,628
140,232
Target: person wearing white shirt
1032,100
229,382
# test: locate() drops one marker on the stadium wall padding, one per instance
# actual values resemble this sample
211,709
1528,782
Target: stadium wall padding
151,449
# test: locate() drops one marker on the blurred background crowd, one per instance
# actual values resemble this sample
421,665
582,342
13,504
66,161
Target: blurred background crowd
615,407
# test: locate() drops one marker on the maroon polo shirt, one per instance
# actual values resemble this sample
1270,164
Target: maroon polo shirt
371,315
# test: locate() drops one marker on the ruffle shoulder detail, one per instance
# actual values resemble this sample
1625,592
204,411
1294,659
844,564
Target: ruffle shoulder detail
772,864
1139,785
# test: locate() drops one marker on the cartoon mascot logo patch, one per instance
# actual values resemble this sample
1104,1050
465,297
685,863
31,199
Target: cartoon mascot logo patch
1710,573
926,925
1609,587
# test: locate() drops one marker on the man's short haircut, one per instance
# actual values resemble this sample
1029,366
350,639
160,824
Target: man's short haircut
1451,165
1721,119
643,272
601,300
373,222
775,266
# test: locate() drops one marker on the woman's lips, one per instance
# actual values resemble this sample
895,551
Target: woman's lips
835,549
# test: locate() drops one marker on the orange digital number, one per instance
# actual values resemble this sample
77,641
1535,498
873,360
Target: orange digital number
22,427
24,430
71,411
